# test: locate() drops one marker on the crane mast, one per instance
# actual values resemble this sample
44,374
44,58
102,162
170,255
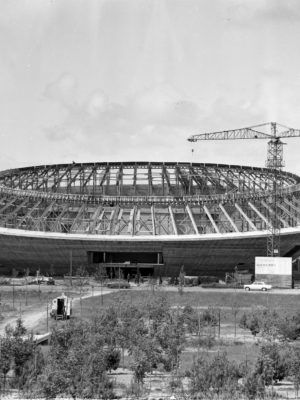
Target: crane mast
274,132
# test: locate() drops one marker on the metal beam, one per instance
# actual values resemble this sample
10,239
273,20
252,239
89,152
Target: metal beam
245,216
15,211
86,180
211,219
268,223
138,221
182,179
29,213
60,177
78,216
120,179
111,219
153,220
94,219
43,182
173,220
228,218
150,181
189,211
58,220
165,174
231,186
131,224
288,212
107,170
285,224
201,183
134,178
73,179
99,221
295,208
8,204
212,179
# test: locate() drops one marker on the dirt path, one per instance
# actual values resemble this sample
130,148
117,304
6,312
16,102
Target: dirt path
35,314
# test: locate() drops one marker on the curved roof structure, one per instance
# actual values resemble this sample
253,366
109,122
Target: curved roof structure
209,217
145,199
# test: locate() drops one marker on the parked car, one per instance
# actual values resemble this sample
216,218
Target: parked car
258,286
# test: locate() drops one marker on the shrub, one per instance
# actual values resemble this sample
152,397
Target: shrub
118,285
208,279
213,376
253,386
112,359
271,364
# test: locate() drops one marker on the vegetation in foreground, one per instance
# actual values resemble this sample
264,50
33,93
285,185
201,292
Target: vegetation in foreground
146,336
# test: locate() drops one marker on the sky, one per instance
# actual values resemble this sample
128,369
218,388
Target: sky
130,80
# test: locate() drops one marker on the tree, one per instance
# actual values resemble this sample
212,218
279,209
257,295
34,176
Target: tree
289,326
140,365
112,358
253,386
77,363
294,367
18,351
214,376
251,321
271,364
5,358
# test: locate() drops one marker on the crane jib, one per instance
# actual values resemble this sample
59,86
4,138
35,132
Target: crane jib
274,132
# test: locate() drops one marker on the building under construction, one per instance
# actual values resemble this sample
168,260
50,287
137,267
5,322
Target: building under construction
151,216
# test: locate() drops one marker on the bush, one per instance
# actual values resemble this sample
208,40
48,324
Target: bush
271,323
271,364
191,280
208,279
209,317
112,359
118,285
218,285
253,386
213,376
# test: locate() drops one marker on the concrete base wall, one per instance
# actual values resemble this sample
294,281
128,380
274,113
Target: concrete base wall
199,256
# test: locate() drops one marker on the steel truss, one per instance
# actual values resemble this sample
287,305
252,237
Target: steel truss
140,199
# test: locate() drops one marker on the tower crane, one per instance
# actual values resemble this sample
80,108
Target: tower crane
274,132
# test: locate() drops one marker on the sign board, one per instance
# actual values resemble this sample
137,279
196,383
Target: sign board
273,266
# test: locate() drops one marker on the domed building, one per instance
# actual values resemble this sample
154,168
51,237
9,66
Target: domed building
148,216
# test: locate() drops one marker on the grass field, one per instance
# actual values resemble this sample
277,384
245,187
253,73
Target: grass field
228,302
239,344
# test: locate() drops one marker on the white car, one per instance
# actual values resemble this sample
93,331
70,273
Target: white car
258,286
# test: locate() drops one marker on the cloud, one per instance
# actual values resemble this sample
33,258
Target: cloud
154,124
163,104
150,119
97,104
63,91
242,12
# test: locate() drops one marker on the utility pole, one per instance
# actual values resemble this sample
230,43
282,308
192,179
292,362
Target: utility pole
71,267
47,312
13,295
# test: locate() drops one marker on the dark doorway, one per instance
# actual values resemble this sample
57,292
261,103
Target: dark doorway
97,257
